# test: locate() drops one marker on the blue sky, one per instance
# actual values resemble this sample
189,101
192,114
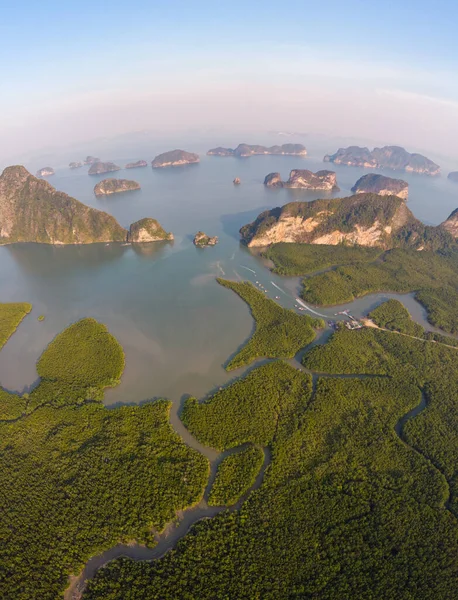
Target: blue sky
87,68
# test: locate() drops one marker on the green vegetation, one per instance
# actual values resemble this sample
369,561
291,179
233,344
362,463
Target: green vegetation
346,510
235,476
300,259
11,315
394,316
41,318
77,478
280,333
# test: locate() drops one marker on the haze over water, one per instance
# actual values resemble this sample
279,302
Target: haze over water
176,324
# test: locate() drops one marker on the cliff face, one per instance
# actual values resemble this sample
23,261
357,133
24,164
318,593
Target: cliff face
244,150
114,186
201,239
31,210
453,176
388,157
147,230
174,158
136,165
98,168
451,224
302,178
364,219
379,184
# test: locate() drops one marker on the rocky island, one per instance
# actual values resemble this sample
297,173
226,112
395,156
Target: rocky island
388,157
453,176
304,179
98,168
148,230
136,165
379,184
201,240
362,219
75,165
115,186
237,181
90,160
174,158
45,172
31,210
245,150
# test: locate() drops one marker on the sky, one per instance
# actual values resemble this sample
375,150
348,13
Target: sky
378,70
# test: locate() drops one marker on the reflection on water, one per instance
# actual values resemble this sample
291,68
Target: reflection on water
177,325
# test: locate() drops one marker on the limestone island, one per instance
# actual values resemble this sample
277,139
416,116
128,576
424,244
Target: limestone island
75,165
379,184
201,240
453,176
115,186
136,165
98,168
304,179
174,158
362,219
388,157
32,210
237,181
45,172
148,230
90,160
245,150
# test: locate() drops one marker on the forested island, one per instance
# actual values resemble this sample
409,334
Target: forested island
201,240
244,150
45,172
382,185
174,158
115,186
304,179
148,230
136,165
98,168
388,157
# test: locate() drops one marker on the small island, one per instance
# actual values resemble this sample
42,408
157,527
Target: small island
245,150
136,165
98,168
75,165
174,158
45,172
453,176
90,160
304,179
237,181
148,230
388,157
201,240
115,186
381,185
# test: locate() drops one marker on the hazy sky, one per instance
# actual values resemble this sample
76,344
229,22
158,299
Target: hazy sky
383,70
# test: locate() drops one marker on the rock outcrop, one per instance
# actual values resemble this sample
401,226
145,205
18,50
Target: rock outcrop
453,176
115,186
363,219
379,184
174,158
304,179
90,160
98,168
31,210
148,230
237,181
244,150
136,165
451,224
75,165
201,239
45,172
388,157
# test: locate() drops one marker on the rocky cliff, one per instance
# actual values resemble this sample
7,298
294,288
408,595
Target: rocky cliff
98,168
302,178
114,186
174,158
148,230
363,219
202,239
45,172
136,165
244,150
451,224
388,157
31,210
379,184
453,176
